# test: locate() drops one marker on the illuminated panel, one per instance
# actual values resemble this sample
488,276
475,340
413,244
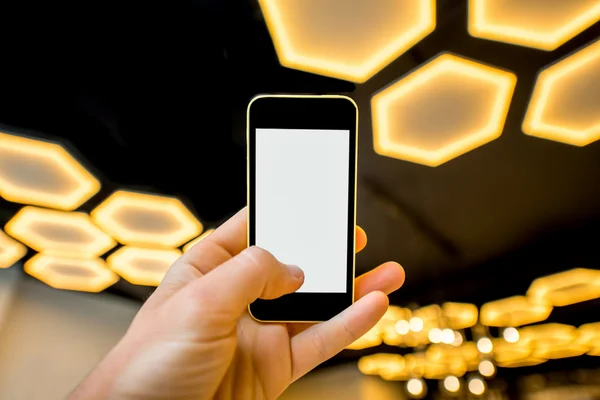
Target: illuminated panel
428,313
346,40
71,234
589,335
142,266
198,239
11,251
552,341
523,362
513,311
470,354
506,352
42,174
415,364
565,106
394,325
395,370
447,107
540,24
518,354
370,339
443,360
566,288
386,330
441,370
84,275
460,315
376,363
140,219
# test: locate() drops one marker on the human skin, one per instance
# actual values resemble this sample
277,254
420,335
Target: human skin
194,338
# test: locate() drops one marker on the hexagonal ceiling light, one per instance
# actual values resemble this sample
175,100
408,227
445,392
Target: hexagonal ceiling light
85,275
443,109
198,239
565,105
553,341
141,219
71,234
540,24
142,266
42,174
11,251
513,311
589,334
460,315
565,288
514,355
346,40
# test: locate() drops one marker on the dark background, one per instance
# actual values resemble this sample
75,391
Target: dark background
152,96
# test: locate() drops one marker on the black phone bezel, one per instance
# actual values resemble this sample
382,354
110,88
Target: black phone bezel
304,112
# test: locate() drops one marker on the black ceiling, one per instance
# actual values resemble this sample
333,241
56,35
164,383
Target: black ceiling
152,95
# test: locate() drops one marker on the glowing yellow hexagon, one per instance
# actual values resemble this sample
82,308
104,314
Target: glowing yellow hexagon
42,174
567,287
142,266
84,275
454,360
523,362
513,311
346,40
71,234
442,110
553,341
460,315
198,239
589,335
375,364
540,24
506,353
565,106
11,251
141,219
370,339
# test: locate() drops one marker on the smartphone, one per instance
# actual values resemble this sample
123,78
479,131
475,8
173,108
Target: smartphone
302,159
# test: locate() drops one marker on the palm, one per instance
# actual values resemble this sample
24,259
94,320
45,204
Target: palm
261,352
263,356
234,353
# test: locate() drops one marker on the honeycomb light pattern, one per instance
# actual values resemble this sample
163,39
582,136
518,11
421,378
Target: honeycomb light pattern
142,266
198,239
565,288
540,24
346,40
146,220
513,311
43,174
443,109
11,251
565,105
589,335
53,232
553,341
528,346
460,315
85,275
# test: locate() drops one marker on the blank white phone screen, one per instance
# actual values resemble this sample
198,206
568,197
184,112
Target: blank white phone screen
301,202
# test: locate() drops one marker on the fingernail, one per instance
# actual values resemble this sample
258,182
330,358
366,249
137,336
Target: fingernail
296,271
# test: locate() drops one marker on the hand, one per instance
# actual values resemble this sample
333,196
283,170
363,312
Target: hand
194,338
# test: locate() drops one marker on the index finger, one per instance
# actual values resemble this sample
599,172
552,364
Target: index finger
232,235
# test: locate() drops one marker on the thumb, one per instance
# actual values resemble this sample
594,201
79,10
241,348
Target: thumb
252,274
